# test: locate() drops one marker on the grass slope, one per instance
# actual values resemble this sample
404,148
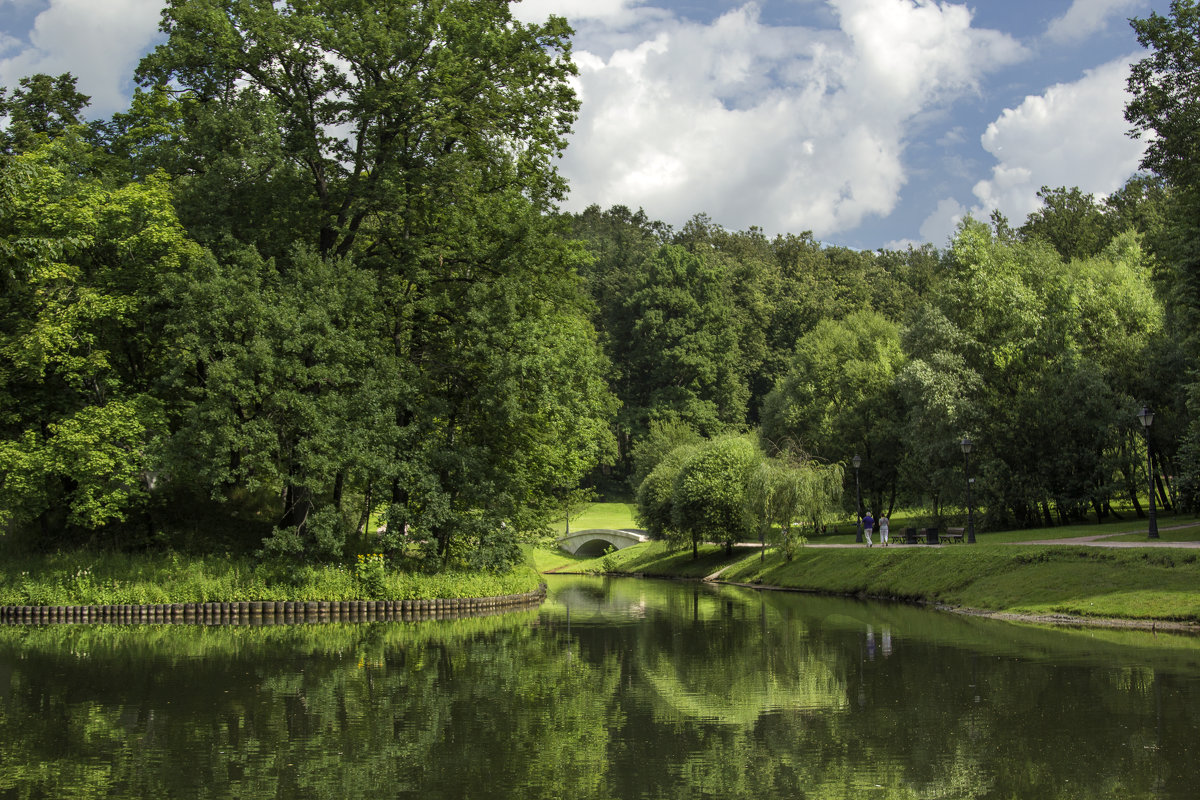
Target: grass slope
1135,584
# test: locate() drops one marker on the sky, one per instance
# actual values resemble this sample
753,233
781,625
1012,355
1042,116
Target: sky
870,123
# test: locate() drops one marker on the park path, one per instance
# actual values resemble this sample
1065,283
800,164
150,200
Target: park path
1099,539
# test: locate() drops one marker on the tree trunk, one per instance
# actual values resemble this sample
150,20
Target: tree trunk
364,520
1167,469
1131,488
1164,498
339,484
298,505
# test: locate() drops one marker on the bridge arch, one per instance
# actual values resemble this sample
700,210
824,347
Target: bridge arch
595,541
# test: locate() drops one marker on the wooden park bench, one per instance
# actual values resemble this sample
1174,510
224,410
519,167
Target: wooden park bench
951,535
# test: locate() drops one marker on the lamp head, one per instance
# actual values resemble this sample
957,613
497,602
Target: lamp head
966,445
1146,416
856,461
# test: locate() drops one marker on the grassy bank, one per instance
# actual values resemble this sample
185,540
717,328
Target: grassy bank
1134,584
84,578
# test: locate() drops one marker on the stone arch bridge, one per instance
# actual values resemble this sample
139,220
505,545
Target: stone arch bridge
594,541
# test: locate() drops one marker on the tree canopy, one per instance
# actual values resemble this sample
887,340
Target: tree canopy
338,287
314,284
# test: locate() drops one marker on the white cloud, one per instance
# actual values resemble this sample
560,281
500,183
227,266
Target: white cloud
954,136
786,128
1087,17
612,12
98,42
1072,135
941,224
909,50
8,43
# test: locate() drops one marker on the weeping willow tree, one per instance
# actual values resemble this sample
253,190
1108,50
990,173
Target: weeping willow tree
789,495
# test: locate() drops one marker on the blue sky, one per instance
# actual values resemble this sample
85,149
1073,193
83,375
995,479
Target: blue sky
869,122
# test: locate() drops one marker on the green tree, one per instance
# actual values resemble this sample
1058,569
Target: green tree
1164,108
273,382
1164,100
618,242
501,400
709,496
839,397
41,108
1074,224
83,271
1034,358
663,437
942,394
656,494
410,149
680,351
785,494
381,107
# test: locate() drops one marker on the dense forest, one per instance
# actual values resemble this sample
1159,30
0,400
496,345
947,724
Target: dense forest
317,275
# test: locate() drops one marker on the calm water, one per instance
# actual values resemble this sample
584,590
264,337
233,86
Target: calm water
614,689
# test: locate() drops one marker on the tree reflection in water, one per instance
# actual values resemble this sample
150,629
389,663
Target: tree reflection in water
614,689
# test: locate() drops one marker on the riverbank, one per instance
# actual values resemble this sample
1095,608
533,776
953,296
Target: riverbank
1065,584
272,612
85,578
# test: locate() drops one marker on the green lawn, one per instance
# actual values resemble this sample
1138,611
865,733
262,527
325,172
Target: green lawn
617,516
551,560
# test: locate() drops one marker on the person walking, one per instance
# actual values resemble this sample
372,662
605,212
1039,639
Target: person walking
868,523
883,529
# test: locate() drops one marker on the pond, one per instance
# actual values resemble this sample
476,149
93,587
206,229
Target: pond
614,688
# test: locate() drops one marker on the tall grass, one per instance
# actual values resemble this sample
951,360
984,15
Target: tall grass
93,578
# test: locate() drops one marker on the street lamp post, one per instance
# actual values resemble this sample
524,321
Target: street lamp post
858,535
966,448
1147,418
